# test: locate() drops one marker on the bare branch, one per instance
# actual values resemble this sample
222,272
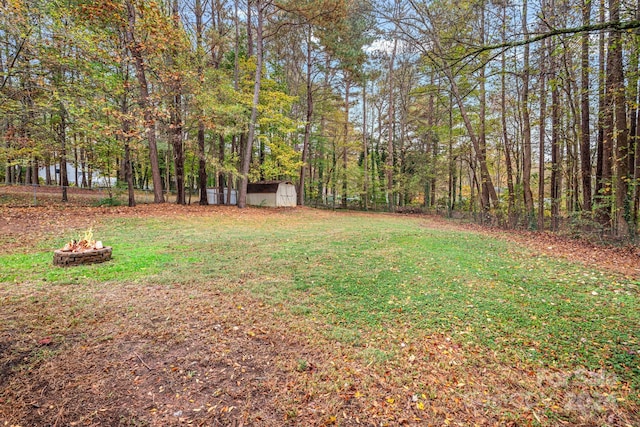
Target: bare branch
15,58
613,26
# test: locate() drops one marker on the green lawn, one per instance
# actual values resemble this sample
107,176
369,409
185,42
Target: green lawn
362,275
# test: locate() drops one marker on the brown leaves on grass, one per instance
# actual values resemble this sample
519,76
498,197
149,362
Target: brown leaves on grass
623,260
45,341
193,355
21,226
155,357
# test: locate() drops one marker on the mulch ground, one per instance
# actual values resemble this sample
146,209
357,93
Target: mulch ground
180,355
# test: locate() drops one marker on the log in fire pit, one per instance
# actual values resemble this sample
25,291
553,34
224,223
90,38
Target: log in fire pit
85,251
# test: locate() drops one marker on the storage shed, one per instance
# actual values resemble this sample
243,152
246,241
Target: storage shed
213,193
275,194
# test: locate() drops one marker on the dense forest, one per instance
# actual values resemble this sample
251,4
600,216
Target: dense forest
526,113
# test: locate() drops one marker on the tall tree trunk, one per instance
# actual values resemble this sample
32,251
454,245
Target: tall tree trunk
62,135
572,143
47,170
83,163
322,188
555,144
391,114
27,175
635,123
176,118
5,81
601,113
608,123
365,149
622,206
636,172
433,141
7,146
526,143
126,133
217,45
346,141
527,127
129,175
221,177
34,173
202,164
542,133
585,132
75,160
234,149
202,160
178,147
167,169
307,124
31,117
243,137
144,101
248,150
451,167
250,26
487,186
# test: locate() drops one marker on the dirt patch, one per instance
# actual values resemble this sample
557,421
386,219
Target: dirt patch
10,359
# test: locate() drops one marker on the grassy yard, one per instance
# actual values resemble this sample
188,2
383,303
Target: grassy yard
301,317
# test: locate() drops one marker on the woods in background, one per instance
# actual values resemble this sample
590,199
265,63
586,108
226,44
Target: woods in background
522,113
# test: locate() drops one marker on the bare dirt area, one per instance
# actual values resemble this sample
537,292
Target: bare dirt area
172,355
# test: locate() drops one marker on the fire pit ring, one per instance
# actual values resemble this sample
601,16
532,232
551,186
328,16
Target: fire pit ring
92,256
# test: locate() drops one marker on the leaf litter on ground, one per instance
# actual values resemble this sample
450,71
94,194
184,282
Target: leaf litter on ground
229,350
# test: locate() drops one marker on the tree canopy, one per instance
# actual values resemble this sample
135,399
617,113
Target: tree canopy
512,112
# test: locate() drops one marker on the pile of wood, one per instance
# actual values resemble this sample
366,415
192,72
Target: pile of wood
82,245
85,244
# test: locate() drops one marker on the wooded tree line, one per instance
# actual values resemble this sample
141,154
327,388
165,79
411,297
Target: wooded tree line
524,112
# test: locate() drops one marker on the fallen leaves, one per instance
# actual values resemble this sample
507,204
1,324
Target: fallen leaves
45,341
623,260
224,357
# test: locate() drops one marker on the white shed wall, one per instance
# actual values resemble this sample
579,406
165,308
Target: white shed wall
262,199
286,195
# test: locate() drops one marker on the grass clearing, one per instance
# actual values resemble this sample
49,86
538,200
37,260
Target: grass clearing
366,317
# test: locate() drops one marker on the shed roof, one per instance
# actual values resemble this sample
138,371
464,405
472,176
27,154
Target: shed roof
263,187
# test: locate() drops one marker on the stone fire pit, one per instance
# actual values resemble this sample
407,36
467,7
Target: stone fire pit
91,256
85,251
